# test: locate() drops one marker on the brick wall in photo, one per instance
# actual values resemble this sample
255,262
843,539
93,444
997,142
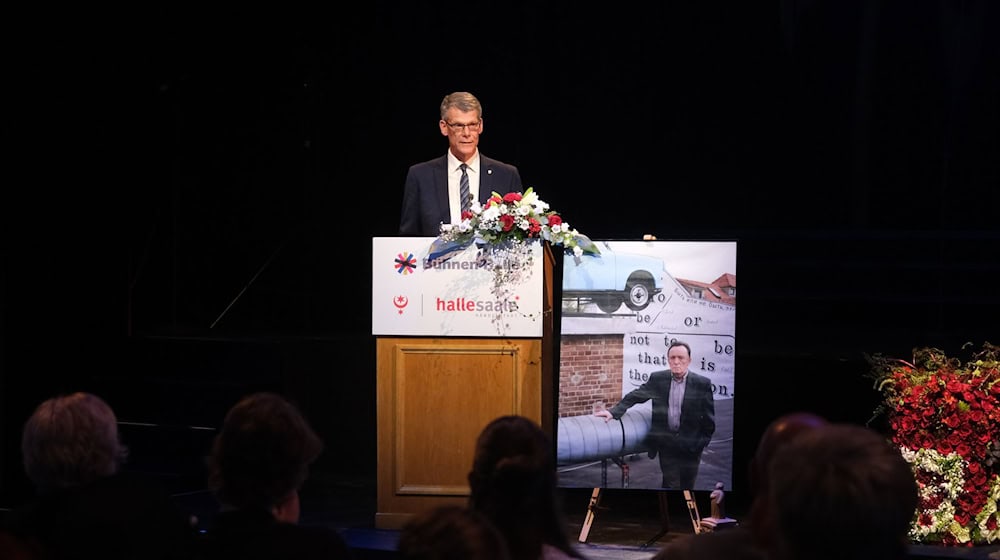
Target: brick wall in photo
590,370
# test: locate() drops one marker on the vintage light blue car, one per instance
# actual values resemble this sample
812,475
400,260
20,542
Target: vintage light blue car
612,278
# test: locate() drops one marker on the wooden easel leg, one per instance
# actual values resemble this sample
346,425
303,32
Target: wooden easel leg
595,499
664,519
693,511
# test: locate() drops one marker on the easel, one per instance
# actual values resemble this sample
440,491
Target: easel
588,520
661,495
594,504
693,511
595,496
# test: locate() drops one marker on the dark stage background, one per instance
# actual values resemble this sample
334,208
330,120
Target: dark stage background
191,193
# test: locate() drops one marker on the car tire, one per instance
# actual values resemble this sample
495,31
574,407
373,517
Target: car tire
637,295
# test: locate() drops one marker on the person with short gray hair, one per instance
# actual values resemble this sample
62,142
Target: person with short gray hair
87,504
71,440
438,191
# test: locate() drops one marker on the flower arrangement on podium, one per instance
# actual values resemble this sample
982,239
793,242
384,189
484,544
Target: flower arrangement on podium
944,416
503,228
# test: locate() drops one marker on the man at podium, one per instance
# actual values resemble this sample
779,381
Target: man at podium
438,190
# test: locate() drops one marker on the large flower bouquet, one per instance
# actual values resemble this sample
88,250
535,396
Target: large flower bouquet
512,219
944,415
503,228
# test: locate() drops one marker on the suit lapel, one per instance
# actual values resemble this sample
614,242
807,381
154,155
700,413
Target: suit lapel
485,173
441,180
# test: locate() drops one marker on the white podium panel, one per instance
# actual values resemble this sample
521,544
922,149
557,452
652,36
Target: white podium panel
412,296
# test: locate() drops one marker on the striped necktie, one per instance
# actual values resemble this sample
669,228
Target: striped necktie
463,192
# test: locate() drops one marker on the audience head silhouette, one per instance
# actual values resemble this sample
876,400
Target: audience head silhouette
451,532
779,433
87,505
514,483
71,440
751,540
840,492
262,454
259,461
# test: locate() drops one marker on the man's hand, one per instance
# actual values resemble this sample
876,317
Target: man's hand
604,414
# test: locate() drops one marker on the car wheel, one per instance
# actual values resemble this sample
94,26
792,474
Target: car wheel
638,296
608,303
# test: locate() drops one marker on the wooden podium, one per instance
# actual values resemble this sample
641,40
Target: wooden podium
436,393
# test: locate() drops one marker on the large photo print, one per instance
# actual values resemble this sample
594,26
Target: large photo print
647,366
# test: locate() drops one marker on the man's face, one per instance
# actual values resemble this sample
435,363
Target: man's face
462,129
679,359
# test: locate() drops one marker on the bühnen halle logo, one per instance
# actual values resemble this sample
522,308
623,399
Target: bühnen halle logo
404,263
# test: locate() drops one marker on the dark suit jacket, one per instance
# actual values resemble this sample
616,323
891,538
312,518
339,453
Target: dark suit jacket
425,198
697,411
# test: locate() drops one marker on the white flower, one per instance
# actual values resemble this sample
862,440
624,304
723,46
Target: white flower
989,509
491,214
485,226
531,198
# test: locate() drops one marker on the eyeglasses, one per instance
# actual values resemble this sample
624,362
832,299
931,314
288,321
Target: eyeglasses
459,127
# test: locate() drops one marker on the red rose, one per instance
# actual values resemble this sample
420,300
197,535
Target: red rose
533,227
512,197
954,438
554,220
508,222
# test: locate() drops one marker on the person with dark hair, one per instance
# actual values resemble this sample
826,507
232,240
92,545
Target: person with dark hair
514,483
259,461
451,532
683,417
437,191
86,505
779,433
842,492
748,541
